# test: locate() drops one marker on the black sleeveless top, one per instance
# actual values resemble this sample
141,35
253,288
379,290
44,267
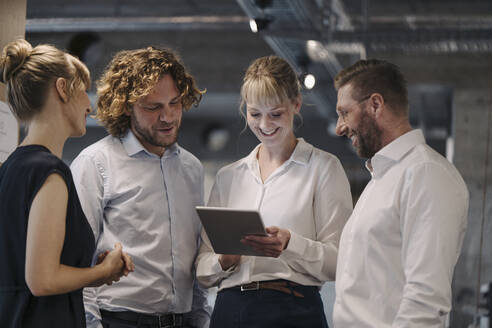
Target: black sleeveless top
21,177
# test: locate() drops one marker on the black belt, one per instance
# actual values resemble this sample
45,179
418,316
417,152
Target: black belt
162,321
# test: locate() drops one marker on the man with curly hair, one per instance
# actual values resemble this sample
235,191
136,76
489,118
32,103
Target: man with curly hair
138,186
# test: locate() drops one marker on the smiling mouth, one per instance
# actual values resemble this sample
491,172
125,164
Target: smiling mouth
268,133
353,139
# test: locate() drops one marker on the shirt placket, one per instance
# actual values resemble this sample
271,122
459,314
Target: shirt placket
165,178
258,202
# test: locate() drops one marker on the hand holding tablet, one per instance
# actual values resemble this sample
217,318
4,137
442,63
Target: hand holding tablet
225,227
272,245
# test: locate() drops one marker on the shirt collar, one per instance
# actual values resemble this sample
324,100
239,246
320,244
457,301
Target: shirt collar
394,152
301,154
133,146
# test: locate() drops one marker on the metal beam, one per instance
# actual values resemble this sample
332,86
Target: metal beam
111,24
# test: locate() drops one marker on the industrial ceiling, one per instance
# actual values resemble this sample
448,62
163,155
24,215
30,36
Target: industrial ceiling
438,44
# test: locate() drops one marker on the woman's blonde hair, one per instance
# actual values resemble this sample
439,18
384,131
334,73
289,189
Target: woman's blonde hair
28,73
133,74
269,81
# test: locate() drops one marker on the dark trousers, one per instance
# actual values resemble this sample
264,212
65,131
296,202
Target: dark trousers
111,322
268,309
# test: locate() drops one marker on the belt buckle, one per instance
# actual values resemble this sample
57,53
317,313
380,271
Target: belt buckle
174,323
256,286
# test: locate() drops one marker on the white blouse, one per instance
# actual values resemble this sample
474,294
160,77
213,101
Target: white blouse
309,195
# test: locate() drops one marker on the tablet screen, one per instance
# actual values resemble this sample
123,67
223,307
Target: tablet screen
225,227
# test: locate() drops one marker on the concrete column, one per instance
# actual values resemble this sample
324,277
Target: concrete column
471,106
12,26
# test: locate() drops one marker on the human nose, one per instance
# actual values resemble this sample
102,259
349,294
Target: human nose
341,127
165,114
265,122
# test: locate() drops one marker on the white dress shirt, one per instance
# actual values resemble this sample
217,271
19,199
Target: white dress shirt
146,203
399,247
309,195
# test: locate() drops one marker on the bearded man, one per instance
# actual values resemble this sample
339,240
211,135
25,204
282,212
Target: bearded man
138,186
399,247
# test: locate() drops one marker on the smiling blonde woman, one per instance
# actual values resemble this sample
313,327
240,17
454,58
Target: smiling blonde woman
303,196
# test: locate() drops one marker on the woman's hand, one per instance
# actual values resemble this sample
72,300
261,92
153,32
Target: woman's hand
227,261
127,268
116,263
271,245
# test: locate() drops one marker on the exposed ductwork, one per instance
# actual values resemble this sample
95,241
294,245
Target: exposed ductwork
325,32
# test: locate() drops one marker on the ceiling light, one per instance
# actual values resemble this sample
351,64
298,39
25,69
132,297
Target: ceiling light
215,137
309,81
259,24
253,26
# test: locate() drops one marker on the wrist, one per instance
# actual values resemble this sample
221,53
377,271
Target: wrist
288,235
105,270
98,275
226,263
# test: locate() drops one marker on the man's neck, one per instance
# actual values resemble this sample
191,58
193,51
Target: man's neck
396,130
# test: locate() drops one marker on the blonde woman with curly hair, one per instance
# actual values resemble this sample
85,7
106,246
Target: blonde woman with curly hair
46,243
303,196
138,185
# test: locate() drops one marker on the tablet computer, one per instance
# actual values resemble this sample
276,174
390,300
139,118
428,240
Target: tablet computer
225,227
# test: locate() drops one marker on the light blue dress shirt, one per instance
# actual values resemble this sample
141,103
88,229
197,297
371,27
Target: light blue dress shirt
146,203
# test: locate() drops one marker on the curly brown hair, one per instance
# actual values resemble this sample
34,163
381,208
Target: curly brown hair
131,75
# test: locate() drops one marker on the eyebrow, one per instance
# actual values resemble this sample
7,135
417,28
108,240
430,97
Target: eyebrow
176,98
271,109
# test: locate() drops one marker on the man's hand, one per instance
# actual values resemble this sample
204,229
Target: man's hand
129,265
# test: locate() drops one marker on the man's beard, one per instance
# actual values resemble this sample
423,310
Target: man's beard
146,133
368,136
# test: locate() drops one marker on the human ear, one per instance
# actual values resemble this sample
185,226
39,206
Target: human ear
297,104
61,89
376,104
